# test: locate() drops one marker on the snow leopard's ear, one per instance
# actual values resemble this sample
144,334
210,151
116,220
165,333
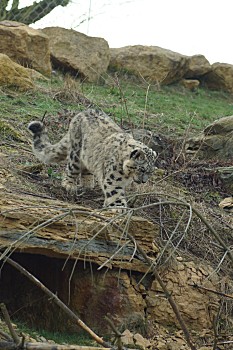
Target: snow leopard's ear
137,154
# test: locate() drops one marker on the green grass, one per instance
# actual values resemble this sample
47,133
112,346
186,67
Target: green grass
81,339
170,109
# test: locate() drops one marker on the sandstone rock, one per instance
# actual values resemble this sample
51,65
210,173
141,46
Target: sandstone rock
215,142
84,56
198,65
26,46
191,301
56,240
153,63
13,75
190,84
220,77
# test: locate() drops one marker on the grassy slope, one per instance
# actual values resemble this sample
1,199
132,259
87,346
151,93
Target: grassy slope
170,110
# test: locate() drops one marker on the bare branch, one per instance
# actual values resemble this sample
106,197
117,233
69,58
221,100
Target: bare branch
195,285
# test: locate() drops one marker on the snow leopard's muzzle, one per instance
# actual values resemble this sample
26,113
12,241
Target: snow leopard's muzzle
141,179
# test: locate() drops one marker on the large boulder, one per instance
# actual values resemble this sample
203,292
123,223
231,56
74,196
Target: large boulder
82,55
220,77
14,75
198,65
215,142
153,63
26,46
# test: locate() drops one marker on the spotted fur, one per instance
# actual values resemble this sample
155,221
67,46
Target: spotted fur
95,145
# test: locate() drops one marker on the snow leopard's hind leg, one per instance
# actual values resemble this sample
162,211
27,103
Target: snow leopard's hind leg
73,171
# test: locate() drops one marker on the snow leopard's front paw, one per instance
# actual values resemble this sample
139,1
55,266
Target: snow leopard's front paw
118,210
36,127
88,181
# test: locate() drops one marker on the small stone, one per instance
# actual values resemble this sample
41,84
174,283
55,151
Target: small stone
179,258
190,84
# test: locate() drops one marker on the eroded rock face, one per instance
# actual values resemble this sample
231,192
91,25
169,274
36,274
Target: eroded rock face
85,56
196,306
153,63
27,46
220,77
108,293
13,75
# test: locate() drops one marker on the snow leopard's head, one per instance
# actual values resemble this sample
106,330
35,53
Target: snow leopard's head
141,164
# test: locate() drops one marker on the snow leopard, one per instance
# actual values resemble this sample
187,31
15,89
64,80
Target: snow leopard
96,145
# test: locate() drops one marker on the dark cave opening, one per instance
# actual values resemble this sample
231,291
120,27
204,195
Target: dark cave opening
90,293
28,304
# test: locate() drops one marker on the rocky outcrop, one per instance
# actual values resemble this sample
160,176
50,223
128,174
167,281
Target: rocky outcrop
220,77
215,142
27,46
162,66
82,55
12,75
153,63
156,64
45,233
60,233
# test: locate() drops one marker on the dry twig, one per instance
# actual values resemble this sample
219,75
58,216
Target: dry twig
195,285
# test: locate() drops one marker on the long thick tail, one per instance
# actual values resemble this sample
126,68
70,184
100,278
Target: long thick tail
43,149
